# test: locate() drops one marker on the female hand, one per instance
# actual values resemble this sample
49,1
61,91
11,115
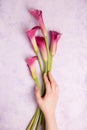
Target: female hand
49,101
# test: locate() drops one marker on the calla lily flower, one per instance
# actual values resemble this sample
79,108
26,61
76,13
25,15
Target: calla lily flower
55,36
31,35
42,46
31,64
38,16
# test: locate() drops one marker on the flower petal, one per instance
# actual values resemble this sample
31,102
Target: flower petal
31,64
38,16
55,36
42,46
36,13
31,35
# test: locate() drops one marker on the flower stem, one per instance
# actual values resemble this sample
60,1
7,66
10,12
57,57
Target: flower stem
39,120
31,124
48,54
45,66
35,118
37,82
38,116
39,61
40,64
51,62
43,122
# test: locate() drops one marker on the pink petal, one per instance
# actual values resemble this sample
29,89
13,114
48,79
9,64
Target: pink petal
31,61
31,35
36,13
38,16
31,64
55,36
42,46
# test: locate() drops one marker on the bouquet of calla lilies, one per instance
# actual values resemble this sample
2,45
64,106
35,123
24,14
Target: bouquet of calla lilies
41,46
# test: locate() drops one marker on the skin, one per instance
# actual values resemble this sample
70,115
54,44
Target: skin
49,101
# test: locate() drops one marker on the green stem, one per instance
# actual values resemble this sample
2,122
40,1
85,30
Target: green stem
42,93
39,121
43,121
37,113
48,53
39,62
45,66
35,119
37,82
31,123
32,120
51,62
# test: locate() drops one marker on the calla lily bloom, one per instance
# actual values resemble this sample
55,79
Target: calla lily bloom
31,35
55,36
42,46
31,64
38,16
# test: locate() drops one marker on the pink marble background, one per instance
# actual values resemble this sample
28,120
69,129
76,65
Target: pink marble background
17,100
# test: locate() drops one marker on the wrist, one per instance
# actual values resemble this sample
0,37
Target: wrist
50,116
51,123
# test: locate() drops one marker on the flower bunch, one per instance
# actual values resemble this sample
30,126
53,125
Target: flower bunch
47,50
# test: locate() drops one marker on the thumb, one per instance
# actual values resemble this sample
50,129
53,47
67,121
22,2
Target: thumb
38,95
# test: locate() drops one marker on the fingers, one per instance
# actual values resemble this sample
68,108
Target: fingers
52,81
47,83
38,95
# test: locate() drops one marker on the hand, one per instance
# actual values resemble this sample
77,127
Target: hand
49,101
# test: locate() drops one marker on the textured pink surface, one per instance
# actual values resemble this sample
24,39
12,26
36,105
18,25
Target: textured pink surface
17,100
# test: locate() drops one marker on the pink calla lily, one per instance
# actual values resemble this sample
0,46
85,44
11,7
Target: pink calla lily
38,16
42,46
55,36
31,35
31,64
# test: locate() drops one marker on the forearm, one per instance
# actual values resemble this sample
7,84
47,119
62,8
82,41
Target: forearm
51,122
